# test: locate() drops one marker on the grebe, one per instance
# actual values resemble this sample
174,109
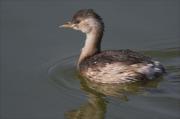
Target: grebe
110,66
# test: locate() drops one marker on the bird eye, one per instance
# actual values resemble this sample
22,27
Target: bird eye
77,22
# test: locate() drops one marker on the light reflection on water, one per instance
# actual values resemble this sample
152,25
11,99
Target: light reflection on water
159,96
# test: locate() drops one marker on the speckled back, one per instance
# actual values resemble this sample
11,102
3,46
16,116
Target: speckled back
126,57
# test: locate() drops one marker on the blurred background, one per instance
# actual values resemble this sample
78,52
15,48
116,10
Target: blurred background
31,42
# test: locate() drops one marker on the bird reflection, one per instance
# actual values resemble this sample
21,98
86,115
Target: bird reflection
95,108
96,105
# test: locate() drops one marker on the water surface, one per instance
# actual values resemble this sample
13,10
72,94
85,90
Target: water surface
38,76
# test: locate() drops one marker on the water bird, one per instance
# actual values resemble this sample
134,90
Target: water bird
109,66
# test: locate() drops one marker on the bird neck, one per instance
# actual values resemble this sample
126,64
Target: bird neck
92,44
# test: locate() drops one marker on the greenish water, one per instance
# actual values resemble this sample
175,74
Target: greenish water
37,60
160,97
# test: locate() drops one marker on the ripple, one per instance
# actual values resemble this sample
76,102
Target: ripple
160,96
64,76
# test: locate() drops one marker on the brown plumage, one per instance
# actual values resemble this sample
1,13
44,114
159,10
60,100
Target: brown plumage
126,56
111,66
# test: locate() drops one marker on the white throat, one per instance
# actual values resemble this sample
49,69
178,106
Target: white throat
93,39
90,47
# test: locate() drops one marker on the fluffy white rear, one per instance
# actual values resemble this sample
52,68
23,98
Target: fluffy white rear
151,70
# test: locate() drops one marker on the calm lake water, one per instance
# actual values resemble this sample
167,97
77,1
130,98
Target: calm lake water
38,76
